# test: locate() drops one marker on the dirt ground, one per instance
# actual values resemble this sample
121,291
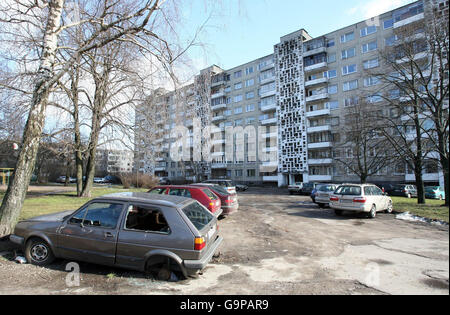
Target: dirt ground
277,244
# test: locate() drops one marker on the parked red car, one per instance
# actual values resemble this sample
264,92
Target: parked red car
202,194
229,201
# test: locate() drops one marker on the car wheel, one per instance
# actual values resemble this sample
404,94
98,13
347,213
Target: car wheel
321,205
409,196
291,193
338,212
373,212
390,207
38,252
440,197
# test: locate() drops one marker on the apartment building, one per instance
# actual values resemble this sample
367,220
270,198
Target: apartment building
113,162
285,111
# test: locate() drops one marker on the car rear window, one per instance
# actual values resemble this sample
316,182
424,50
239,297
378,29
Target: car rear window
220,190
210,194
326,188
349,191
198,215
158,191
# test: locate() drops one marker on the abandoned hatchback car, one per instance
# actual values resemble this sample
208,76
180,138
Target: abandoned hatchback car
137,231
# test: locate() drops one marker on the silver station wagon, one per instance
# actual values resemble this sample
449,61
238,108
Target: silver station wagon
140,231
360,198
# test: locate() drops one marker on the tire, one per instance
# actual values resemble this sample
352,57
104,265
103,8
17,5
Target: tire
291,193
440,198
390,207
38,252
321,205
338,212
373,212
409,196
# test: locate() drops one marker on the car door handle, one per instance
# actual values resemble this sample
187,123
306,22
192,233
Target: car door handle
108,234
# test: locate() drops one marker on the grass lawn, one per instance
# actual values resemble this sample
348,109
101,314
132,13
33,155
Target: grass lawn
433,209
61,202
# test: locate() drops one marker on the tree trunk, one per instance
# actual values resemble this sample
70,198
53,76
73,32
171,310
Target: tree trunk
420,188
445,170
90,168
18,186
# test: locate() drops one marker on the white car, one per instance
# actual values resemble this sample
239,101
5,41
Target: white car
295,188
360,198
323,194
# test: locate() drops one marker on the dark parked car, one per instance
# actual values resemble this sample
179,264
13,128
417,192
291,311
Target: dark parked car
164,181
110,179
308,188
229,201
227,184
408,191
202,194
138,231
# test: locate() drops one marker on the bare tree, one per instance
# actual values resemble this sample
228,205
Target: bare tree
114,22
414,80
364,151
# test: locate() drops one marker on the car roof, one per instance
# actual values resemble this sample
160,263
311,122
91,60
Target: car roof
162,200
179,186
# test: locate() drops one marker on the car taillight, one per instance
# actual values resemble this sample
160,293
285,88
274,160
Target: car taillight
360,200
228,200
334,198
199,243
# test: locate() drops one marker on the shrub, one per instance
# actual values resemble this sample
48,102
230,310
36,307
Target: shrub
138,180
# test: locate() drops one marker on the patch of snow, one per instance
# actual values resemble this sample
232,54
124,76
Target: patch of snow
406,216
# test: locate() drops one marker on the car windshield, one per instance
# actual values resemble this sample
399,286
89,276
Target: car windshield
326,188
198,215
399,186
432,188
349,191
308,185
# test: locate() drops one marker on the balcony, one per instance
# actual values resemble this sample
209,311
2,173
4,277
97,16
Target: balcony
316,82
317,97
269,121
270,178
317,66
268,108
267,80
267,94
267,66
160,159
218,94
218,107
216,166
416,57
320,178
218,83
218,118
270,149
319,129
320,145
320,161
218,154
318,113
269,135
314,51
160,169
217,142
409,20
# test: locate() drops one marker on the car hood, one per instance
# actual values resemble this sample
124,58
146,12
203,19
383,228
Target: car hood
54,217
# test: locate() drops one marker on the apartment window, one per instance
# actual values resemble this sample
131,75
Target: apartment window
374,98
238,122
368,30
349,69
265,63
332,105
332,89
330,74
390,41
350,85
268,101
371,81
331,43
238,74
250,95
331,58
268,87
238,173
238,98
250,108
347,37
228,112
348,53
238,86
250,82
228,124
238,110
228,89
408,12
351,101
249,70
369,47
371,63
268,74
388,23
251,173
228,100
250,120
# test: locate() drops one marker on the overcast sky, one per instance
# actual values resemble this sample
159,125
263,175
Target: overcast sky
243,30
